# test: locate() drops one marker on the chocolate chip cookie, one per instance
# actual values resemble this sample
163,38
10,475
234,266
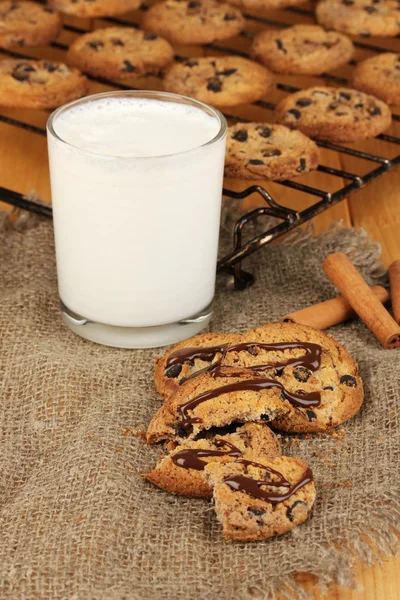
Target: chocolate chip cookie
265,4
335,114
272,152
302,360
193,21
256,500
40,84
181,471
220,81
302,49
380,76
94,8
120,53
25,23
360,17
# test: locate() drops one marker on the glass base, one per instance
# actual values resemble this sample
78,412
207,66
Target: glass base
136,337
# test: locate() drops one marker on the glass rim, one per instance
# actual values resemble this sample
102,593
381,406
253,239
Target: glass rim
157,95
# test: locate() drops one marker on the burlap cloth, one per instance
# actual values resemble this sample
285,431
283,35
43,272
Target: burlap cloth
77,521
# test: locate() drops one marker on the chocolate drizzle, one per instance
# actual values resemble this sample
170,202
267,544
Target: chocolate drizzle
300,399
190,458
282,481
311,359
252,487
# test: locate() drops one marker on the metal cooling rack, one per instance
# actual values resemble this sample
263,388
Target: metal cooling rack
287,217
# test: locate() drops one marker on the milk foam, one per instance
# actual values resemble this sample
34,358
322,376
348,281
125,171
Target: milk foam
132,127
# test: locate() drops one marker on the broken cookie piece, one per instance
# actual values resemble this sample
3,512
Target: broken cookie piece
258,500
180,472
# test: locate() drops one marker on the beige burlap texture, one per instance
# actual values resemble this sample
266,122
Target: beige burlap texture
78,522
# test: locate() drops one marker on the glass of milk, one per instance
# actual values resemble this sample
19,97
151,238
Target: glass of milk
136,181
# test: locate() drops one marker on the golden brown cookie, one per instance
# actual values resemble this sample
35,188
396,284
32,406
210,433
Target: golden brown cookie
335,114
298,357
25,23
360,17
261,499
272,152
302,49
94,8
265,4
205,402
181,471
193,21
220,81
40,84
120,53
379,76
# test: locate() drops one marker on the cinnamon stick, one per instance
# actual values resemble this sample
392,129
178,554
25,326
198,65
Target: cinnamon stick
331,312
343,274
394,276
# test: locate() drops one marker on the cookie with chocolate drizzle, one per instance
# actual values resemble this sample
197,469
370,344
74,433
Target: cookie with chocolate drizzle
301,359
181,471
256,500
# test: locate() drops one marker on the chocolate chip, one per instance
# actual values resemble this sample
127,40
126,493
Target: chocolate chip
302,374
302,165
173,371
265,418
180,431
194,4
272,152
328,387
340,113
311,415
227,72
48,9
375,111
296,504
256,161
264,132
333,106
304,102
95,45
128,67
191,63
258,512
21,72
150,36
359,105
280,46
348,380
348,2
240,136
50,67
117,42
296,113
230,17
345,95
370,10
144,7
214,85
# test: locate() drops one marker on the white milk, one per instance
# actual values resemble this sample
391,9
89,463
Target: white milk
136,198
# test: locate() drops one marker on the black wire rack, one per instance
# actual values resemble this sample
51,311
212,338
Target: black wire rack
285,219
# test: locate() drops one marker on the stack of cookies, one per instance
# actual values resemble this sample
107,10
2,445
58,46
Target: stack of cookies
222,393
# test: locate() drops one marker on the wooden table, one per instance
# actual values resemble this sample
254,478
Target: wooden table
24,167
